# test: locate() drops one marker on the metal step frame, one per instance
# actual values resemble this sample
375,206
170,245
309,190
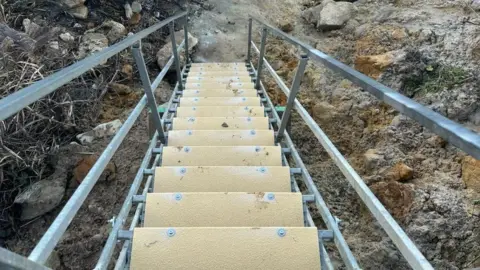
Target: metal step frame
453,132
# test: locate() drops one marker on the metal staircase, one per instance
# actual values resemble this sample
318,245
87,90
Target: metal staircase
219,179
222,198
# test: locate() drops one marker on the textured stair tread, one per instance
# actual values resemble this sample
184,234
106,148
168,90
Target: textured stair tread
220,93
219,85
225,248
217,68
215,79
221,111
219,64
219,123
220,101
224,209
222,179
219,73
222,156
221,137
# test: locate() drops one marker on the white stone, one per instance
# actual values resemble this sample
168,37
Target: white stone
67,37
128,10
80,12
100,131
72,3
136,7
54,45
91,43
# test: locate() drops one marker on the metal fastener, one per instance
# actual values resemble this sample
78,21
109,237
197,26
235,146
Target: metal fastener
244,99
263,170
194,108
186,149
195,99
178,196
189,132
271,196
249,119
253,132
281,232
171,232
257,149
183,170
246,108
191,119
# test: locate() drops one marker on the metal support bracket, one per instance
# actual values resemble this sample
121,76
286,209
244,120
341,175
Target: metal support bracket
139,198
325,235
308,198
124,235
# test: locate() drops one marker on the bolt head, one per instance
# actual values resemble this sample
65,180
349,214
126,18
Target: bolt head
253,132
281,232
246,108
171,232
186,149
249,119
271,196
257,149
189,132
263,170
183,170
178,197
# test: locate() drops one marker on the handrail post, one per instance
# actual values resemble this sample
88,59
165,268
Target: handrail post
147,87
293,94
185,31
260,58
249,45
176,56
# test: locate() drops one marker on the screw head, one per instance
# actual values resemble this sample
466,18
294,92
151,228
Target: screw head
178,196
253,132
183,170
246,108
263,169
198,91
171,232
257,149
191,119
271,196
189,132
186,149
194,108
244,99
249,119
281,232
195,99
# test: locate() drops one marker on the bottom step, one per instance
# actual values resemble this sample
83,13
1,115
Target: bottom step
225,248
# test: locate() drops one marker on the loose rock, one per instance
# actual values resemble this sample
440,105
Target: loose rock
136,7
100,131
91,43
120,89
374,65
72,3
85,164
128,10
397,197
80,12
329,15
40,198
373,159
127,70
400,172
112,29
67,37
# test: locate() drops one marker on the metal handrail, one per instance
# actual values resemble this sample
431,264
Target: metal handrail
449,130
411,253
20,99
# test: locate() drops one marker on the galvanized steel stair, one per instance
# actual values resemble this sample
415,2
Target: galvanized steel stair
222,198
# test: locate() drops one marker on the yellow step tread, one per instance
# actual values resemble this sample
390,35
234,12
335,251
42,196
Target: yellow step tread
219,64
212,179
219,85
219,123
218,79
219,73
222,156
220,93
221,111
223,248
219,101
217,68
224,209
221,137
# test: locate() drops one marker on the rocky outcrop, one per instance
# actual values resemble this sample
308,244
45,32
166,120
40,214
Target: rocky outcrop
374,65
164,54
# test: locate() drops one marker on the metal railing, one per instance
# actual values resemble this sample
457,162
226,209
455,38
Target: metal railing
451,131
24,97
